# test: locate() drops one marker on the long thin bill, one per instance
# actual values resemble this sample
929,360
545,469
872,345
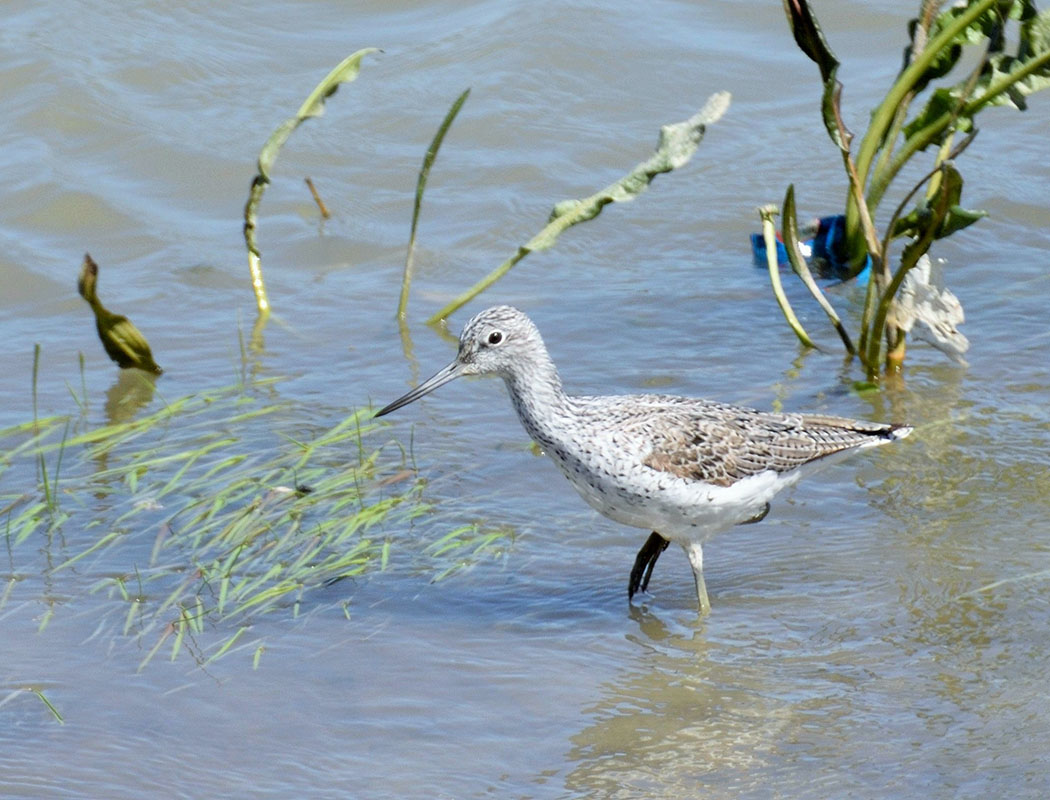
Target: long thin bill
449,373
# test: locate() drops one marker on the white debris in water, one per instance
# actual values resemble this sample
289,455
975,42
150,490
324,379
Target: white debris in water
925,299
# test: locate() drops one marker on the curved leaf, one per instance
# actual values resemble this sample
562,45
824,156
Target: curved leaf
120,338
949,193
421,185
789,227
313,106
676,146
344,72
769,236
809,37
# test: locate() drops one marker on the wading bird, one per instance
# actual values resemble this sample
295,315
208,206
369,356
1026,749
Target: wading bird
683,468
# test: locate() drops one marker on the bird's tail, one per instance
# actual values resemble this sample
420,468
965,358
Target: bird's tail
900,431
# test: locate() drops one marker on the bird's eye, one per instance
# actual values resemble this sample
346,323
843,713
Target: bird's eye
495,337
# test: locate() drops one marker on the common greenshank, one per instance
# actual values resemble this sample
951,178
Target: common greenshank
681,467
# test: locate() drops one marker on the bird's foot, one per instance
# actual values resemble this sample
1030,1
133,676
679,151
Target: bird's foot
644,563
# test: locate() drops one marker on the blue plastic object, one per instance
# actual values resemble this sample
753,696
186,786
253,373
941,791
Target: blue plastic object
823,246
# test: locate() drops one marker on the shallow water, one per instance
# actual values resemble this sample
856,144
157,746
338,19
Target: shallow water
852,649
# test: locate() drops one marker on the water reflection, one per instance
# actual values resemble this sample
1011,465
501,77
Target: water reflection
843,680
130,393
679,720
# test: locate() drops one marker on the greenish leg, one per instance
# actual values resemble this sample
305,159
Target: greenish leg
696,560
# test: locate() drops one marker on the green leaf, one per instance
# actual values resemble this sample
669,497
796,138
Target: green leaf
948,195
50,707
789,228
810,38
676,146
121,339
831,111
344,72
950,186
769,236
313,106
942,103
956,219
1005,80
944,59
988,26
421,185
882,117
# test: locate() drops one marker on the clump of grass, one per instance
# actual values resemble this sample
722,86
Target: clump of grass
198,517
464,546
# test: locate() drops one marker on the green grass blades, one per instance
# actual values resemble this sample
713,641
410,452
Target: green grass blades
196,520
462,547
121,339
344,72
22,691
676,146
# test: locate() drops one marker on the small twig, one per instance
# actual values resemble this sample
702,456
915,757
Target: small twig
317,198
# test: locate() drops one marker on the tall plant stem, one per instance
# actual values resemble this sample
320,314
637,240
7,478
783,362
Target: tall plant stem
421,184
882,118
922,138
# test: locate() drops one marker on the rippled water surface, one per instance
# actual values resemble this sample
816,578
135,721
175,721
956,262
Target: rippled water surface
883,633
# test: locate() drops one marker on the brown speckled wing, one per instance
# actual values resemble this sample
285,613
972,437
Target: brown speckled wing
721,444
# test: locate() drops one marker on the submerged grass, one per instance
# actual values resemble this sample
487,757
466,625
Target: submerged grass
194,520
16,693
463,546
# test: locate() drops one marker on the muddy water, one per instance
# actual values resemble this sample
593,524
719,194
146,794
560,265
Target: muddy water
882,634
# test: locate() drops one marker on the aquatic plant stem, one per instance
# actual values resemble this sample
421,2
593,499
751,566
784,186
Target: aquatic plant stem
36,373
769,236
344,72
922,138
421,184
920,38
789,228
676,146
888,295
883,116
